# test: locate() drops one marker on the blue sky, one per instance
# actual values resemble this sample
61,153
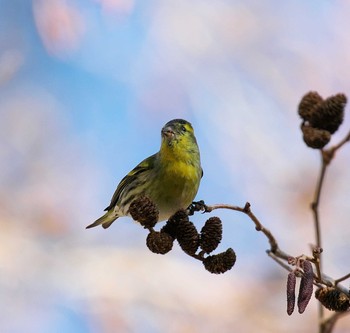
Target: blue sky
85,87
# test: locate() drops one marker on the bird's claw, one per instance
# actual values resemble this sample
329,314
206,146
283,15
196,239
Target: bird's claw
198,206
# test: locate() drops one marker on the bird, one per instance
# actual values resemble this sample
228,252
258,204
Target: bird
170,178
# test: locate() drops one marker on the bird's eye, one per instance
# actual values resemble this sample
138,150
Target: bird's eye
183,128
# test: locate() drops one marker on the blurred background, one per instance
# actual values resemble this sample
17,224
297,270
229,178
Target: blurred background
85,87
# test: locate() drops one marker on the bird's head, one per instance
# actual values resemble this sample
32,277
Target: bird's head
178,138
177,131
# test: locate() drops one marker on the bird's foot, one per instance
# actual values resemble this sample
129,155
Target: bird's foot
197,206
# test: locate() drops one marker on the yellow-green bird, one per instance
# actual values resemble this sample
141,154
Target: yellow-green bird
170,178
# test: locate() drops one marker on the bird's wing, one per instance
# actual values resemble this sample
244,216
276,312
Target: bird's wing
145,165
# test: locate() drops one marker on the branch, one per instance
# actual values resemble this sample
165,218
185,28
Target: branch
345,277
327,157
258,226
340,144
274,252
327,325
316,201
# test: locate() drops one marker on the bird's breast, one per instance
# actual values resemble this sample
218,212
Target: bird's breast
177,185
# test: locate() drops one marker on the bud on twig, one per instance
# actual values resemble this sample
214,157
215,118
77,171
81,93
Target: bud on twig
306,286
291,281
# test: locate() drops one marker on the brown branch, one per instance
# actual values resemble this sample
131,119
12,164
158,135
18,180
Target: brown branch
316,252
327,325
345,277
279,261
314,207
279,256
327,157
274,252
340,144
316,201
258,226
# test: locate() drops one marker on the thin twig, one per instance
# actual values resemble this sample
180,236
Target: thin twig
274,252
327,157
341,143
327,325
258,226
314,207
278,260
316,252
316,201
345,277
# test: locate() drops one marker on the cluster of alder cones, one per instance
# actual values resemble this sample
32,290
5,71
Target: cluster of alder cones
321,117
196,244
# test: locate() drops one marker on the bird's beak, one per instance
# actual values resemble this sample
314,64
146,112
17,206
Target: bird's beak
168,132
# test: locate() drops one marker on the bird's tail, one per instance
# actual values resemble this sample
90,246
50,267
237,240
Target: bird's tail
106,220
